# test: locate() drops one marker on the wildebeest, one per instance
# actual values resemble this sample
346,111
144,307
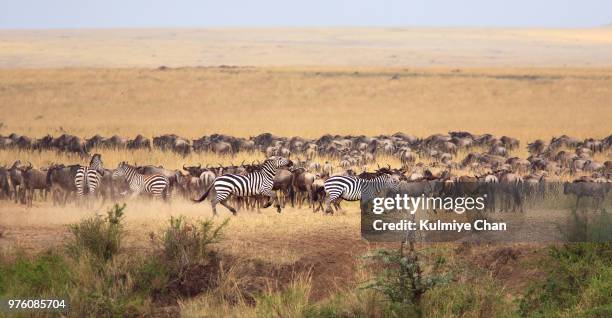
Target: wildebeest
33,179
174,143
5,188
511,188
16,180
303,186
140,142
595,190
60,180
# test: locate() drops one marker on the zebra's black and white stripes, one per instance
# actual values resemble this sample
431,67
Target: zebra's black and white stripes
87,178
156,184
255,183
352,188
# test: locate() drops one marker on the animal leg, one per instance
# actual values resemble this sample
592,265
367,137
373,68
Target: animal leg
225,204
272,198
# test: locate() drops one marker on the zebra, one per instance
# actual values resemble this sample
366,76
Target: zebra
252,184
156,184
87,178
354,188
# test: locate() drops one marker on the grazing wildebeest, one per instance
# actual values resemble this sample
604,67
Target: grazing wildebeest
596,190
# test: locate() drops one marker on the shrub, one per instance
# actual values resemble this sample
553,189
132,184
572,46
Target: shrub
480,297
578,228
578,283
184,244
108,290
46,274
402,279
99,236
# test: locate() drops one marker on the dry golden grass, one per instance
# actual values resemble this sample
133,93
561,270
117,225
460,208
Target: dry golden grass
524,103
269,236
306,46
305,83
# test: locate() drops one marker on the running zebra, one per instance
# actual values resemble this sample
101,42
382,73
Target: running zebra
87,178
254,183
354,188
156,184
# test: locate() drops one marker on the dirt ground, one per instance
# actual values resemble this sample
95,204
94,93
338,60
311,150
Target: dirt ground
277,247
280,246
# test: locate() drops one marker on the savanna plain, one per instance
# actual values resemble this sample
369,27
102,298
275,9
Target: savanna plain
528,84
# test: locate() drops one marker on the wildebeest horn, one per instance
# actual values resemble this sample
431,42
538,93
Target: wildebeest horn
29,165
389,166
378,166
199,166
242,164
184,167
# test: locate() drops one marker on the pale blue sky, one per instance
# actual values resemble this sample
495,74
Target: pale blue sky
41,14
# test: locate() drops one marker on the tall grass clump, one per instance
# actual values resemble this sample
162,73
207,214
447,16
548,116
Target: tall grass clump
99,236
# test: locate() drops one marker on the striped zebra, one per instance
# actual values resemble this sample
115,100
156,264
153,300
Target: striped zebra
156,184
87,178
252,184
354,188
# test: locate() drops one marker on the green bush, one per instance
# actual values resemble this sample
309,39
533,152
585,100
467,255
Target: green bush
99,280
403,278
578,283
45,274
100,236
184,244
580,227
478,298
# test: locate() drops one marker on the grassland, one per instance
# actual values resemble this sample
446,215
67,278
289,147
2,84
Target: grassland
346,47
523,83
524,103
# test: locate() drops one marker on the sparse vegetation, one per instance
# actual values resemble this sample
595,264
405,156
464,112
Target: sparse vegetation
101,280
99,236
578,283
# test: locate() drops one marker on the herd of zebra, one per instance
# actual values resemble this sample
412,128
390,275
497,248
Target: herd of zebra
486,160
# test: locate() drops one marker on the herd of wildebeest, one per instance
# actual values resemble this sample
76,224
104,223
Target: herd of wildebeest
454,158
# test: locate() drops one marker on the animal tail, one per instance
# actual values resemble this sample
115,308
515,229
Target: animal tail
205,194
85,184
